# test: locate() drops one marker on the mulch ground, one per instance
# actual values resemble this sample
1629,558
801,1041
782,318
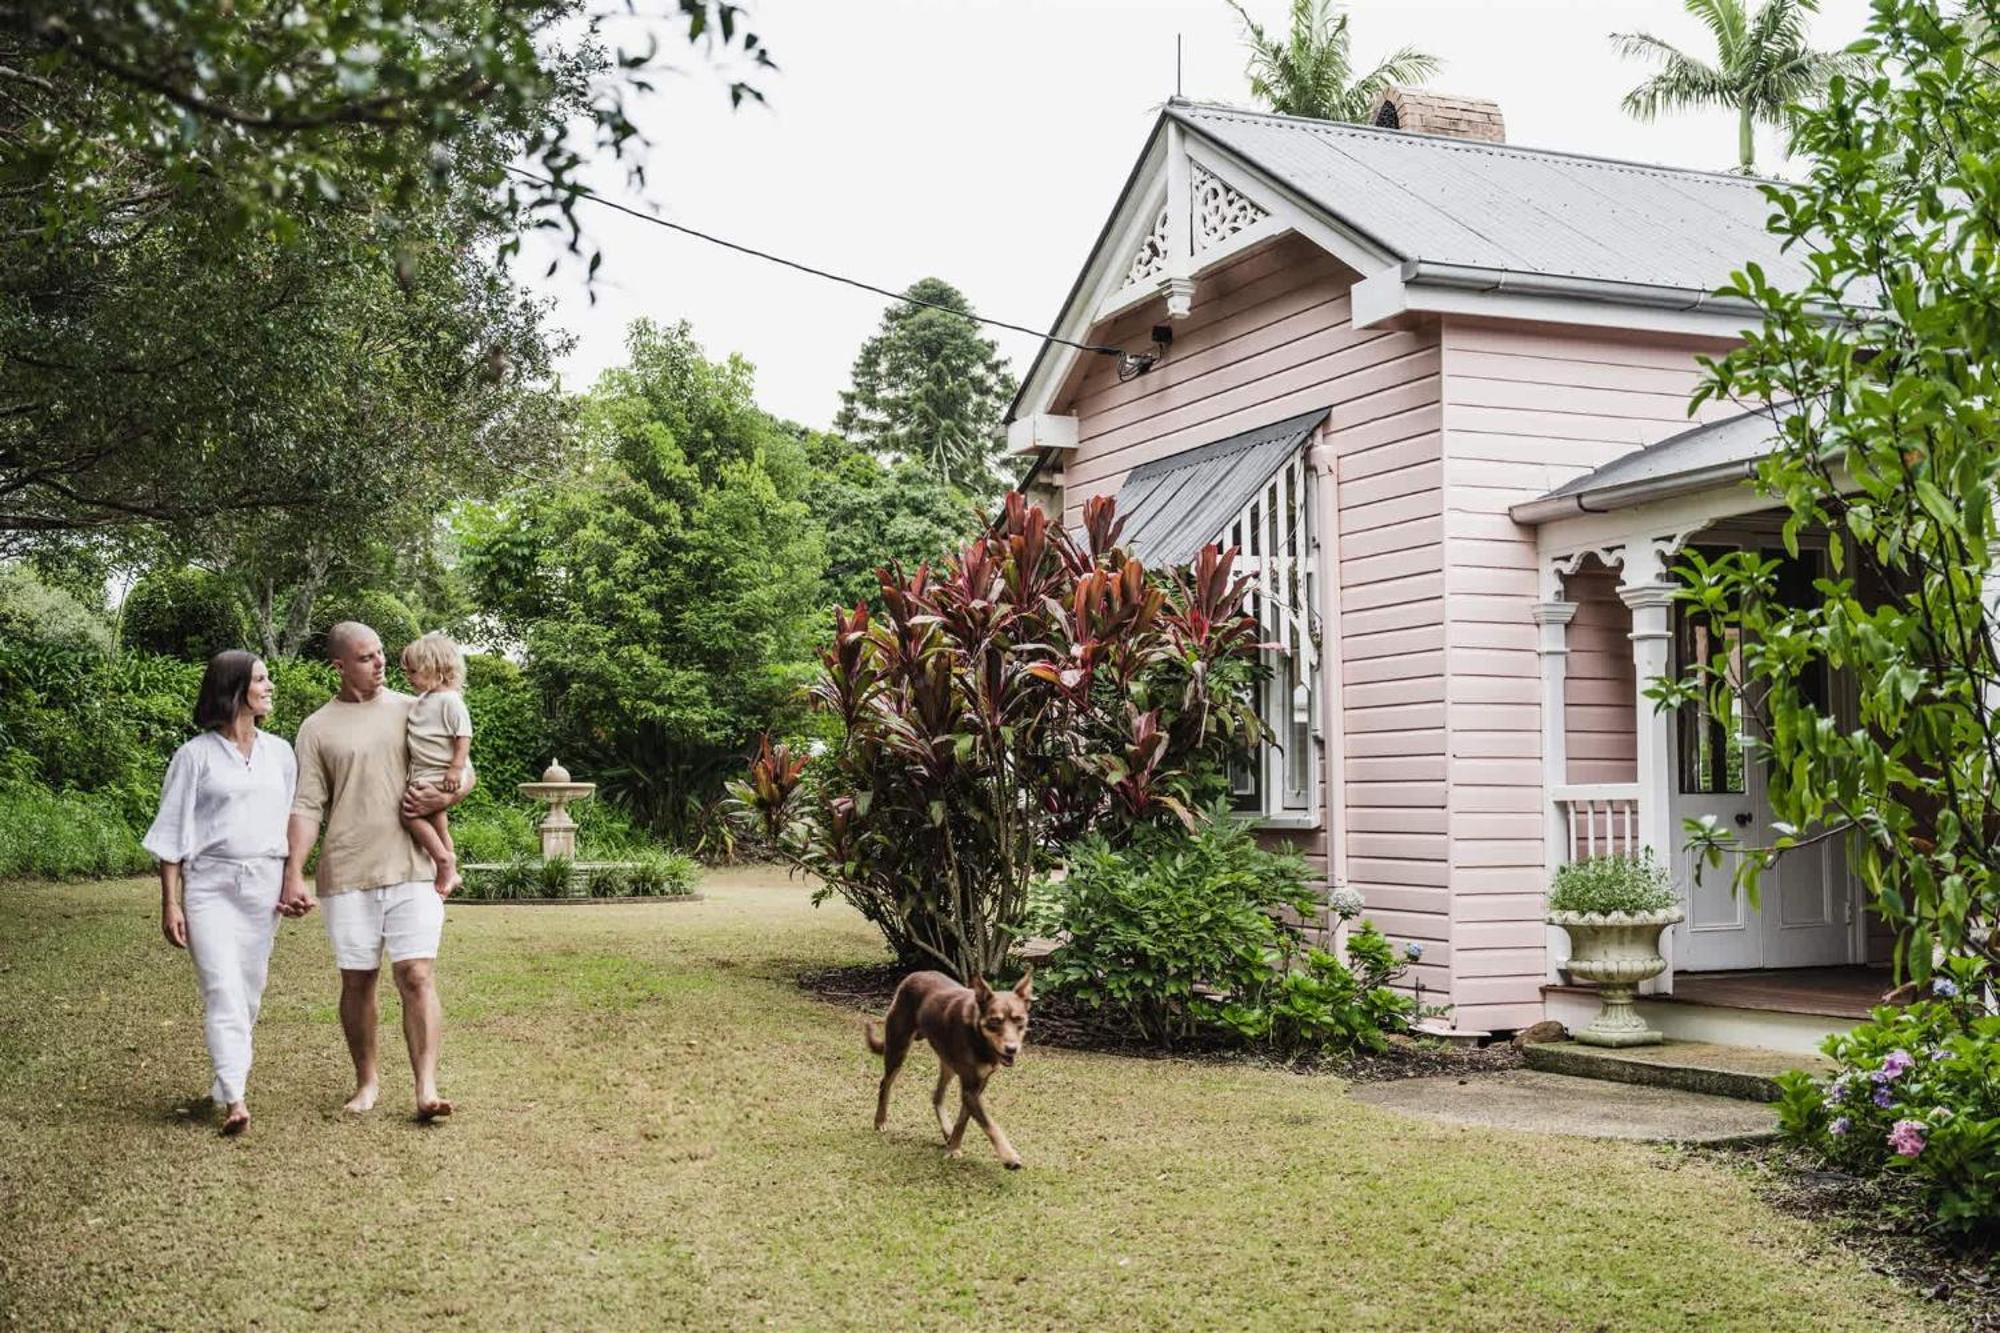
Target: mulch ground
869,988
1870,1217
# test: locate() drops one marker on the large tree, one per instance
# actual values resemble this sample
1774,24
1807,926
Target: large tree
1763,66
208,214
1883,380
930,386
1310,72
877,515
666,591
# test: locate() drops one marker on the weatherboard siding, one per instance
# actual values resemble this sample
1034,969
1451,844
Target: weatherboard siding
1270,337
1524,410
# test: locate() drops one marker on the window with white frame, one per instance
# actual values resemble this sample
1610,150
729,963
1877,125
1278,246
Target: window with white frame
1273,537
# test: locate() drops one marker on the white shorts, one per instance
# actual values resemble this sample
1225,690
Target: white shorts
405,919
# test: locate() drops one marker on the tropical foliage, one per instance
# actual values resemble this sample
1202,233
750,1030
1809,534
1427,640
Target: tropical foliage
1036,689
1880,377
1764,65
1310,70
930,387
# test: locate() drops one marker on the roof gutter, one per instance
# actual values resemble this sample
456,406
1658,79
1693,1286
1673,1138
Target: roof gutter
1625,495
1479,278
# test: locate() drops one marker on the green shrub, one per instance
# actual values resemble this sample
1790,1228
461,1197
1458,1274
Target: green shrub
186,614
490,831
1917,1096
663,875
516,879
555,875
612,881
1157,927
385,613
1317,1003
66,835
1602,884
35,611
1178,936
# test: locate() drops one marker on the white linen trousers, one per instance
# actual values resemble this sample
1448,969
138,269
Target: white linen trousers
232,918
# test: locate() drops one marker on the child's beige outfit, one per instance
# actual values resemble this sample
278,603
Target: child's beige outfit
436,720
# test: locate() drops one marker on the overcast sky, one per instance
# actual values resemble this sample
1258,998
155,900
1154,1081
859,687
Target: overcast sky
984,142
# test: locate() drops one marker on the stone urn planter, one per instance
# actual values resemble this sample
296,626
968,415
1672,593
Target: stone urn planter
1617,950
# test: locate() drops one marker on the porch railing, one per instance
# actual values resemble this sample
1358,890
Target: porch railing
1599,818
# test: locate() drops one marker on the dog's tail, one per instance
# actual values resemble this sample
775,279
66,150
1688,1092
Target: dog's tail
875,1043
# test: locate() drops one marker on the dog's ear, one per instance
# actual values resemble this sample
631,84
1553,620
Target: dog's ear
1024,987
982,992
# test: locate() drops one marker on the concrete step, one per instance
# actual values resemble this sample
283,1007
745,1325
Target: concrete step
1747,1073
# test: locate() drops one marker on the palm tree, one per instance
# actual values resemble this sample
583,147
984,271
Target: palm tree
1763,66
1311,72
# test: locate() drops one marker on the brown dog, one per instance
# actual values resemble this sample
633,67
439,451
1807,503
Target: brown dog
974,1030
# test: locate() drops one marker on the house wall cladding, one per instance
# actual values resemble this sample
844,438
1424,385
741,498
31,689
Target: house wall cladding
1269,337
1526,409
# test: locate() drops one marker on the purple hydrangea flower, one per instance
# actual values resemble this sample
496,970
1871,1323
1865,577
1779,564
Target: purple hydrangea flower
1895,1064
1942,988
1841,1086
1883,1099
1413,951
1907,1138
1840,1126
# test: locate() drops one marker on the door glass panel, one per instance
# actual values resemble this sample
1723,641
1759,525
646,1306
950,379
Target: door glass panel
1711,726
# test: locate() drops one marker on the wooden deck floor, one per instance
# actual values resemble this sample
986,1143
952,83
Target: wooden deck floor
1840,992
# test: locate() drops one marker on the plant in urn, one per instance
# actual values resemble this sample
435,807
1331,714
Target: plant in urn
1614,908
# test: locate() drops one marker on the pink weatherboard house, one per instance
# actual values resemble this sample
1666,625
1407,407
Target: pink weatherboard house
1435,388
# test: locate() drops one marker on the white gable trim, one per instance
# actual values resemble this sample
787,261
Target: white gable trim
1173,166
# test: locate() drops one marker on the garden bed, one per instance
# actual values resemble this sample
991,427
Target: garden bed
868,987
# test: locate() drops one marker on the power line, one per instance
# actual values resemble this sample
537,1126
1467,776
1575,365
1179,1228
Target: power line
657,221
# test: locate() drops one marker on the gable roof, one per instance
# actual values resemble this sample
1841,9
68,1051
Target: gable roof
1497,206
1454,213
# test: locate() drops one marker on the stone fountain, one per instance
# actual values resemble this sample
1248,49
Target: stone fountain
556,789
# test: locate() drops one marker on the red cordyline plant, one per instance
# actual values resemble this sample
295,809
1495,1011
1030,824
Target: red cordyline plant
1035,689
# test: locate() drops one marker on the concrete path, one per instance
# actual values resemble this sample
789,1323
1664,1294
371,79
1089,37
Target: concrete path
1527,1099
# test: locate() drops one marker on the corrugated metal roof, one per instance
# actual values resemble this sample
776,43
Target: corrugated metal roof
1456,201
1706,455
1174,506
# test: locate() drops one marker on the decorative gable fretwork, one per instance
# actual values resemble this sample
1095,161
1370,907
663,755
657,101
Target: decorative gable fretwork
1220,210
1199,210
1152,257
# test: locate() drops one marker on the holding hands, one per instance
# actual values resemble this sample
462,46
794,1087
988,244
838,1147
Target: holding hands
295,899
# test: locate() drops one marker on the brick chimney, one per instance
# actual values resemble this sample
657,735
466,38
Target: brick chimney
1421,111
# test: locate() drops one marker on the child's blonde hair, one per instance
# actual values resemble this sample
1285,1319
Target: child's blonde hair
436,654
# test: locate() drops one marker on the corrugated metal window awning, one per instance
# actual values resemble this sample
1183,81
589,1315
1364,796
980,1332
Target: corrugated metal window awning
1176,505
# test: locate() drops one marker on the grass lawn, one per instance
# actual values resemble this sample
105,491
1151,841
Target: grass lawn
657,1128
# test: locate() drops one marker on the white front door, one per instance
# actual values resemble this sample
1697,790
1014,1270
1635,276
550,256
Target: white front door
1801,917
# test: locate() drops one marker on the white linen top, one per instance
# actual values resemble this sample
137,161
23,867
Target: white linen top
217,803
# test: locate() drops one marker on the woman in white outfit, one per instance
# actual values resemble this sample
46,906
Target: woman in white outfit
220,840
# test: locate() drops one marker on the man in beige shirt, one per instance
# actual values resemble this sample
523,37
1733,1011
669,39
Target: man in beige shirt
376,882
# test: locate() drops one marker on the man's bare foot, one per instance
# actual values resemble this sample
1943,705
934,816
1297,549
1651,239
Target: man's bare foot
237,1120
362,1101
432,1108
